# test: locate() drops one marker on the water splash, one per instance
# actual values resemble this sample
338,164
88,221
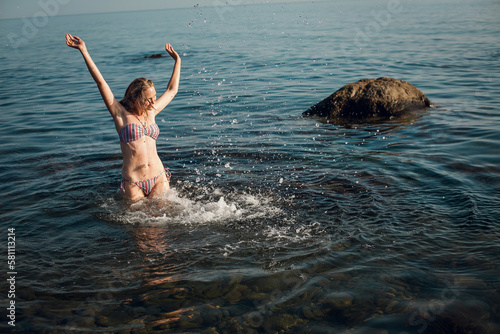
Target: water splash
215,207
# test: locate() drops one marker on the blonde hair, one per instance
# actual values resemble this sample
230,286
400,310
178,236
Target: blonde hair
134,95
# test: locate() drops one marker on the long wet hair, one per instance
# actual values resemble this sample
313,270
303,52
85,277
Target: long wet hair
134,98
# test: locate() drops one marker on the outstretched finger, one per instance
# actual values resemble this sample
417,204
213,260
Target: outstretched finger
70,39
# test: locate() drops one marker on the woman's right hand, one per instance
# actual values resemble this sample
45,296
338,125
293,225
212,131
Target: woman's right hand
75,42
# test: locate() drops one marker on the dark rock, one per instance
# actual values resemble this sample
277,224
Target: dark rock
370,100
156,55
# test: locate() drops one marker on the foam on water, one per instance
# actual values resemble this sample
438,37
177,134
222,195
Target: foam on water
175,208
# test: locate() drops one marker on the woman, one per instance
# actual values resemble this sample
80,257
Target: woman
143,173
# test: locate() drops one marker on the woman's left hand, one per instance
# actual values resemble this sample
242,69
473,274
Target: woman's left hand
75,42
170,49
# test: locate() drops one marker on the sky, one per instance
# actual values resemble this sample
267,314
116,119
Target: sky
30,8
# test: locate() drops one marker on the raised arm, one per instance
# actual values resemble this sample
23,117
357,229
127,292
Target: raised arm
173,85
109,99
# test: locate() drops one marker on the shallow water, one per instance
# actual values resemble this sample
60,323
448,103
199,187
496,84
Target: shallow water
275,222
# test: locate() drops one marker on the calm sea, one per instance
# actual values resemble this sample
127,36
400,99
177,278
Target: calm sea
275,223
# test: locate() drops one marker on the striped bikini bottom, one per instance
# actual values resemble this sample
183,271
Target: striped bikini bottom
146,185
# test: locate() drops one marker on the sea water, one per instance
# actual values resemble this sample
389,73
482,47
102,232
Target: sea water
275,223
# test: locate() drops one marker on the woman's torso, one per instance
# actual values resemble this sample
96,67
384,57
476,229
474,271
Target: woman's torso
140,158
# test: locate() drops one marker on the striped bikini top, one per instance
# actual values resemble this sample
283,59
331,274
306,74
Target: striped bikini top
133,131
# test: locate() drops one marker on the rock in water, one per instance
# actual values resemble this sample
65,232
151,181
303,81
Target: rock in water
156,55
370,100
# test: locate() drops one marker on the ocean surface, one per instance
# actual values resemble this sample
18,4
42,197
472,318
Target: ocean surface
275,223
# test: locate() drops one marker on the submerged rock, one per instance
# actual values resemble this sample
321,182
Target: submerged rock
338,300
370,100
282,322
